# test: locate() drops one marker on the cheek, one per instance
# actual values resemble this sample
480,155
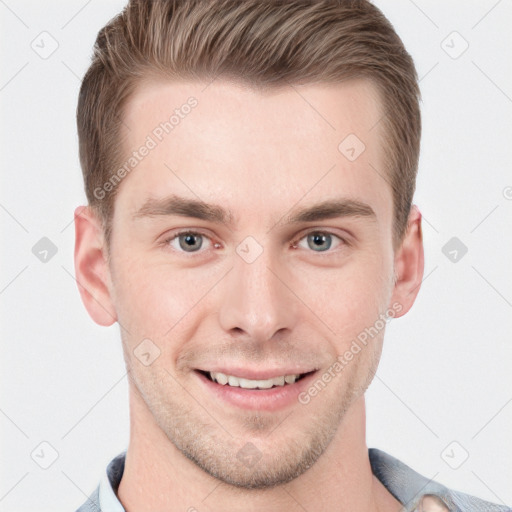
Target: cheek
348,299
156,301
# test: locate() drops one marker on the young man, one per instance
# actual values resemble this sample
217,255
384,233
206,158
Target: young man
250,168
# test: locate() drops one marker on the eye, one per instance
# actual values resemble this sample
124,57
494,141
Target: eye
321,240
187,241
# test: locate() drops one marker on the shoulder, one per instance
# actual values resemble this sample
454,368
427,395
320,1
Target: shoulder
409,487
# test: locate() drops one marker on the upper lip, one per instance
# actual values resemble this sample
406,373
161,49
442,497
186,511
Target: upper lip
257,374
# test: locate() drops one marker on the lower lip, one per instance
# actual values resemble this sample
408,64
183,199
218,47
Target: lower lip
271,399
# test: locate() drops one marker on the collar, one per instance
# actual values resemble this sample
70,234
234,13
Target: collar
405,484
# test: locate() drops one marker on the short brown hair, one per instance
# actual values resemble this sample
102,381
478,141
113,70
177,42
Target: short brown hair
261,43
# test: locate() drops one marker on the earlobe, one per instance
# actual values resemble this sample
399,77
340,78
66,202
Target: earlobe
409,264
91,267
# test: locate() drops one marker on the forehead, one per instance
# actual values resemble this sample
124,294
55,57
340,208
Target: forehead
254,149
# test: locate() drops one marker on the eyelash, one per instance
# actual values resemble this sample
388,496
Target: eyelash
167,241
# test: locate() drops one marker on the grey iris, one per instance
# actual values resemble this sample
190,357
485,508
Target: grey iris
187,242
315,241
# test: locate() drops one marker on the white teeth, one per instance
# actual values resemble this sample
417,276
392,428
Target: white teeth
248,384
264,384
224,379
220,378
278,381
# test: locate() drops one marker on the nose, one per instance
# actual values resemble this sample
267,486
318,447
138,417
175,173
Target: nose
258,300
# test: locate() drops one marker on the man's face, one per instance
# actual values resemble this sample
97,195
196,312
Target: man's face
254,296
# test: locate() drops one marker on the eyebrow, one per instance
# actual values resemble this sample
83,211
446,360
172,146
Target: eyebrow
176,205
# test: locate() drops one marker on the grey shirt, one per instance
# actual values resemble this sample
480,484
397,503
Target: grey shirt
407,486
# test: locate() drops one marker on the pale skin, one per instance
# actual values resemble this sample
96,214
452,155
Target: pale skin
261,156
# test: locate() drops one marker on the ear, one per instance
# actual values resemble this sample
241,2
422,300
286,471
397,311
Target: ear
409,264
91,267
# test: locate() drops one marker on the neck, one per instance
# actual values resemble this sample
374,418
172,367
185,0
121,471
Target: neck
157,476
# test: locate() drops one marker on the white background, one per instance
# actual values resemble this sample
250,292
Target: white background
445,372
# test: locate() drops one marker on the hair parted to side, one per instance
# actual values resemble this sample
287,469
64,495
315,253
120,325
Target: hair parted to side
260,43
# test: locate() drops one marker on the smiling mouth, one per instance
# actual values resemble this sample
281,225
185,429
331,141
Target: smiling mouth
263,384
